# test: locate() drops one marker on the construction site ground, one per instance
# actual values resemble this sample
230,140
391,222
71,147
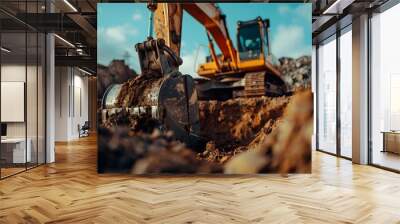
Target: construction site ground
244,135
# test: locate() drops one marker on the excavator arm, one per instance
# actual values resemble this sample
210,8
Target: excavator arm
168,26
211,17
167,23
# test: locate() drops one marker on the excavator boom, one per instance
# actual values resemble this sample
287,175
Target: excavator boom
168,25
213,20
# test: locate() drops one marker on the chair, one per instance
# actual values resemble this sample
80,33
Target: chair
84,130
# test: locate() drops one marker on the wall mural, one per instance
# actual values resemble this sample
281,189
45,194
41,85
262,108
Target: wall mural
201,88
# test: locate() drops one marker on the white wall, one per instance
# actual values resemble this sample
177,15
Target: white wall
71,102
61,103
12,73
33,126
16,73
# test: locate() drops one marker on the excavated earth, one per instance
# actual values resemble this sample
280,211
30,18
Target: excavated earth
235,125
245,135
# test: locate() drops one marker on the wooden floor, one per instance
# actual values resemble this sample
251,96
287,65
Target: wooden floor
387,159
70,191
5,172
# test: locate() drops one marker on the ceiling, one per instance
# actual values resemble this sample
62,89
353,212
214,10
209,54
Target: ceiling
330,15
75,23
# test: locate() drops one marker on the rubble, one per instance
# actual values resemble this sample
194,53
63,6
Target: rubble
116,72
296,72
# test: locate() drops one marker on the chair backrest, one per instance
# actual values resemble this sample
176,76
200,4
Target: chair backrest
86,125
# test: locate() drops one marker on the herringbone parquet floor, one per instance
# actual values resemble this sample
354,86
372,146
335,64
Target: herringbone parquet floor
70,191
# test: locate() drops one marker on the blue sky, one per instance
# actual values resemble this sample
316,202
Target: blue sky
122,25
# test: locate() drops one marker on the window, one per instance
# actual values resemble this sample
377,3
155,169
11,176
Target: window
22,77
385,89
333,106
249,39
327,96
346,93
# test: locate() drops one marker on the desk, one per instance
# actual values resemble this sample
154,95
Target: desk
391,141
13,150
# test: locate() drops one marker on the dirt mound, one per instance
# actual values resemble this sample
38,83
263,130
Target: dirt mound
134,144
245,135
269,135
287,149
235,125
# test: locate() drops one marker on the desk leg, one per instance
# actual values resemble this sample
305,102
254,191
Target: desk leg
384,142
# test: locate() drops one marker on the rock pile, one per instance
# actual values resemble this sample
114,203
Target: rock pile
296,72
115,73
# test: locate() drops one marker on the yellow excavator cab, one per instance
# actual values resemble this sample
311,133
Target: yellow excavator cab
253,51
253,39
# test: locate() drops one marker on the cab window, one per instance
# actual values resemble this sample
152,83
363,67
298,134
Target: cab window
249,42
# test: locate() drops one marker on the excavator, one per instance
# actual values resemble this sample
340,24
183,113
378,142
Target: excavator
171,97
246,71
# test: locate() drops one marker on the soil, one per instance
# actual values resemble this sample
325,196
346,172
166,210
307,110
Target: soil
245,135
287,149
134,91
135,145
235,125
266,135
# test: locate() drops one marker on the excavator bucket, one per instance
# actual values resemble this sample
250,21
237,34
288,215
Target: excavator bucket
160,92
166,94
179,111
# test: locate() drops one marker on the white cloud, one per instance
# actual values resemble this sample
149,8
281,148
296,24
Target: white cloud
115,34
192,60
119,33
288,42
114,41
137,16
